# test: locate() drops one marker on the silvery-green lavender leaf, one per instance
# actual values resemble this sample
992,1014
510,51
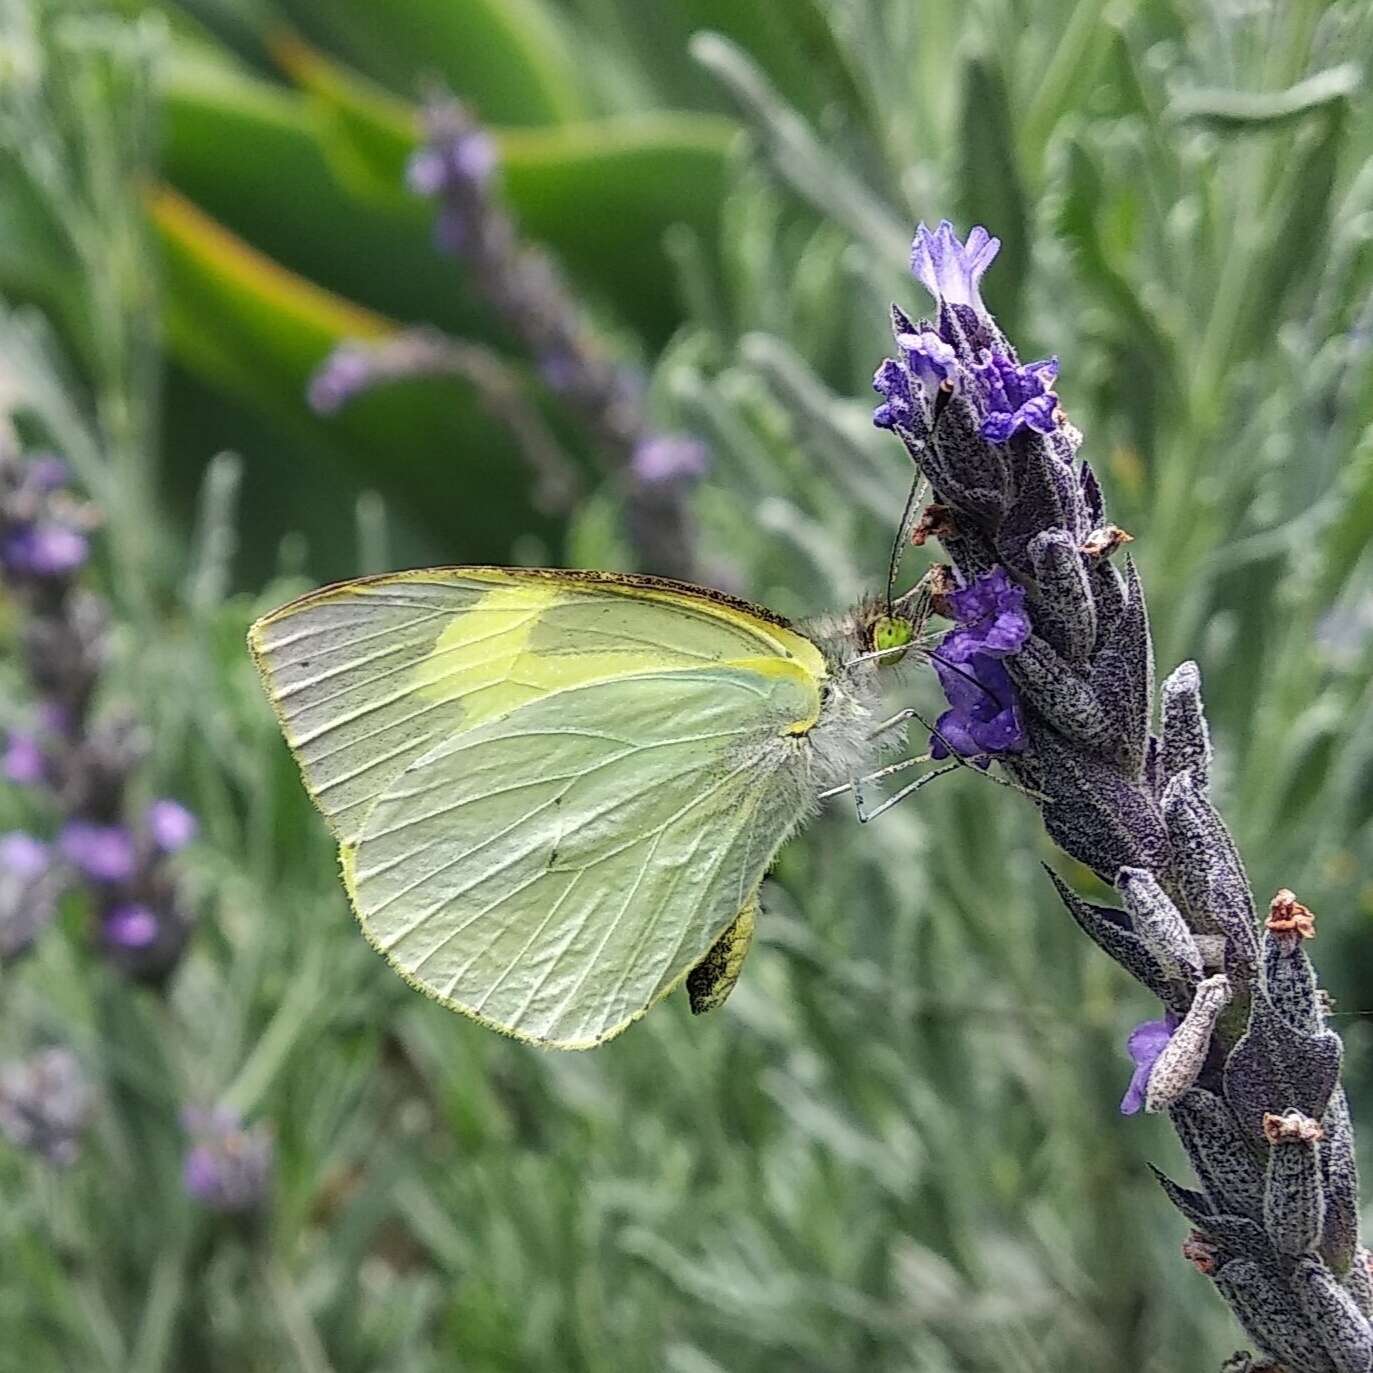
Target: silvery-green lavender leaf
1159,923
1290,981
1179,1065
1341,1326
1272,1316
1095,815
1276,1068
1293,1198
1064,610
1225,1160
1211,877
1340,1176
1107,929
1062,697
1186,740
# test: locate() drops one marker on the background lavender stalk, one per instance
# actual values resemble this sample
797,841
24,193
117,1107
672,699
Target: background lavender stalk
1058,638
86,769
456,167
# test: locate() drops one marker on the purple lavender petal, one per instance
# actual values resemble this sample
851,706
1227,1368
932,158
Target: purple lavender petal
1146,1042
171,825
1013,397
949,269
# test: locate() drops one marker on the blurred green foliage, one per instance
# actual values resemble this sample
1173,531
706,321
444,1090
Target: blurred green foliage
897,1147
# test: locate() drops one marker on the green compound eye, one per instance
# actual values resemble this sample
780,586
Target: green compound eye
892,632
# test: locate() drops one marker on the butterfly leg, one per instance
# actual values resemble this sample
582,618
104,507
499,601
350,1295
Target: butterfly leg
864,814
710,982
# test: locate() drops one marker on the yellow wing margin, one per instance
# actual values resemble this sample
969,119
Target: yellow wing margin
368,676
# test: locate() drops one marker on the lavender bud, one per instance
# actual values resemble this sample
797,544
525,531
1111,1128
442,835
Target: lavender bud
1340,1176
1186,740
1288,976
1181,1061
1066,613
1223,1158
1159,923
1358,1282
1272,1316
1060,695
1122,675
1210,874
1342,1327
1293,1201
969,474
227,1167
45,1104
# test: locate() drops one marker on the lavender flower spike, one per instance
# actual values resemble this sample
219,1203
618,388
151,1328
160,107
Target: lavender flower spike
949,269
1049,671
45,1104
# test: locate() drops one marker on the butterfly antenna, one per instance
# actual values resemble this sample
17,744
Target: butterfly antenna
903,535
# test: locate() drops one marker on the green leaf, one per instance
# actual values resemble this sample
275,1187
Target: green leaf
509,58
1259,111
251,328
317,182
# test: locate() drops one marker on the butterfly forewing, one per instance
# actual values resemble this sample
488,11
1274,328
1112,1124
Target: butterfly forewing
368,676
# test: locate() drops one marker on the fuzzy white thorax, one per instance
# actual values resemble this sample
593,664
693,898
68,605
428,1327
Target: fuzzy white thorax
841,746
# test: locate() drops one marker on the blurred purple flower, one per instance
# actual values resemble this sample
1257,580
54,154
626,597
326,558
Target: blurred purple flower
669,457
29,887
949,269
1013,397
23,762
102,853
171,825
47,472
340,378
45,1104
49,549
458,156
1146,1042
227,1167
130,926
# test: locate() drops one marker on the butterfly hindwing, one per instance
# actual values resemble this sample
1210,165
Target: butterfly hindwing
557,870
